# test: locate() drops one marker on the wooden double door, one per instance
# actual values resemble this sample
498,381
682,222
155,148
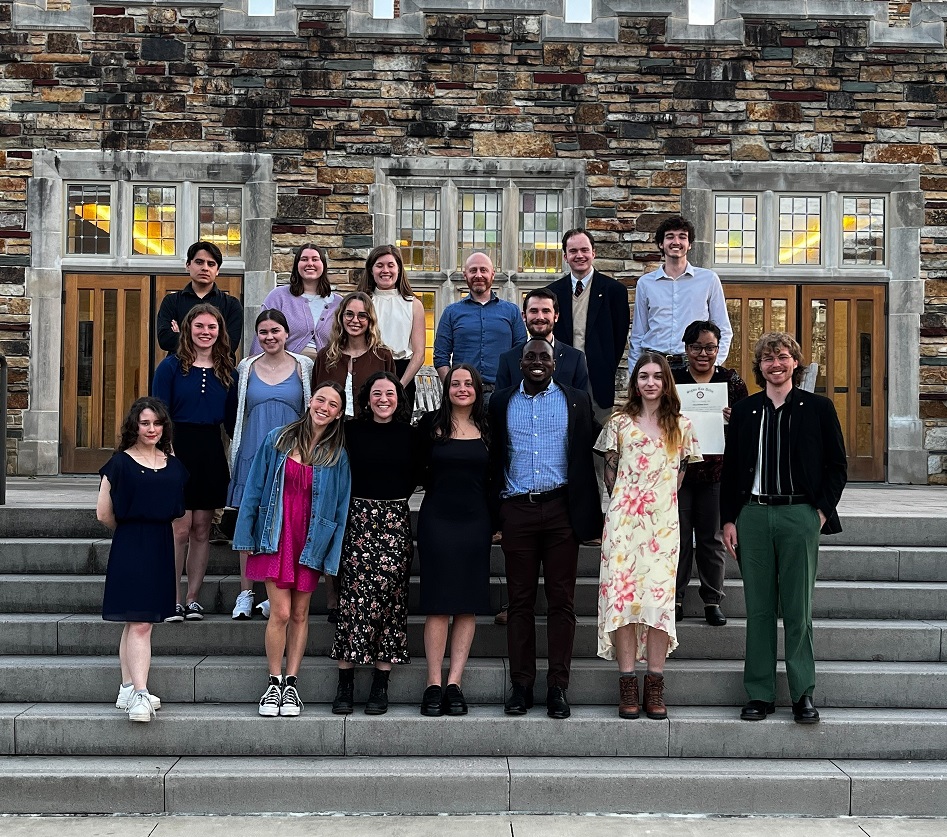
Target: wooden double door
109,353
842,328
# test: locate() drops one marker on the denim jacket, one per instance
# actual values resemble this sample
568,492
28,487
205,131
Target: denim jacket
260,520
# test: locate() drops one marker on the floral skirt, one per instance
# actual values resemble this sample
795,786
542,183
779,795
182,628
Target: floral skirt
373,583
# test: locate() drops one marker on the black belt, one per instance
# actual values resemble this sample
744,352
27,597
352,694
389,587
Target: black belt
673,360
541,496
778,499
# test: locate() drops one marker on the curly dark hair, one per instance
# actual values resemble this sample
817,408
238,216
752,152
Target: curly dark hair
403,411
128,434
443,424
675,222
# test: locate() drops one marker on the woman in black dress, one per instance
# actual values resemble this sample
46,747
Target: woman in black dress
378,548
454,533
141,492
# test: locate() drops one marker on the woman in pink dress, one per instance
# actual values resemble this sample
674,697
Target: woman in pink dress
291,520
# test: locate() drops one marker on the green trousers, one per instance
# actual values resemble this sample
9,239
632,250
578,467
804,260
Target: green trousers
779,557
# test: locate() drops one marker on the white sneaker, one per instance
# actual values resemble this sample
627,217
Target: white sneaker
243,609
125,695
140,708
264,608
270,702
290,705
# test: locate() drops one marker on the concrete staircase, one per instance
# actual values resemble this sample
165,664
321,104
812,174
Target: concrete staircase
881,749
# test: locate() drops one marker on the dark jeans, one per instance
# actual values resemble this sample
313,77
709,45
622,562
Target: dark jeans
698,508
538,537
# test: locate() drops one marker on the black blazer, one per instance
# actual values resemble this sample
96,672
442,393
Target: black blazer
817,451
582,494
606,329
571,368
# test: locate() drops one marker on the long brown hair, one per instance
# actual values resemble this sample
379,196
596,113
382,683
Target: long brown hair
298,435
669,408
129,431
323,288
443,423
339,338
220,352
367,283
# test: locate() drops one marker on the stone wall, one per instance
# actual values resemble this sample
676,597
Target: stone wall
325,105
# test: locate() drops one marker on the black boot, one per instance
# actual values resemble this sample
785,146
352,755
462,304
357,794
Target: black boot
378,696
345,694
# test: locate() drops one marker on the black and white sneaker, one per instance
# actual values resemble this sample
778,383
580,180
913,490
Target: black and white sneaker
178,614
270,702
193,612
291,705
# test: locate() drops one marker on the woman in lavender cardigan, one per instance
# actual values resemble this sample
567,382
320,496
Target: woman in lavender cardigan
307,302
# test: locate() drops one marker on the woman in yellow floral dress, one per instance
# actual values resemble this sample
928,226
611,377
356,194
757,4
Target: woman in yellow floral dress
647,445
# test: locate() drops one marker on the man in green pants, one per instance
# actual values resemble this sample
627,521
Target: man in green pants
784,469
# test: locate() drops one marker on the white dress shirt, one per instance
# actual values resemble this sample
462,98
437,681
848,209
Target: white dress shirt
664,307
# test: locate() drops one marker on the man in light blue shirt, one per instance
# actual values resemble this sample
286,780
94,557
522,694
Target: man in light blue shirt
479,328
670,298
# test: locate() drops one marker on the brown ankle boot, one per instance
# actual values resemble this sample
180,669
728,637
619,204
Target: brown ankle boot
654,705
628,696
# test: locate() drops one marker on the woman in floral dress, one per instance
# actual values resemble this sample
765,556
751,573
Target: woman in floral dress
647,445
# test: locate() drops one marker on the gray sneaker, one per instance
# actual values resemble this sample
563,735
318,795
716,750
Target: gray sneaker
125,695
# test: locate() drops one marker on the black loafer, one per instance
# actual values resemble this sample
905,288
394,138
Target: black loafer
431,702
804,711
557,706
757,710
714,615
519,700
453,702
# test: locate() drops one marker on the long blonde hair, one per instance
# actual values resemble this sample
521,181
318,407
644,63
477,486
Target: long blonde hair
339,338
299,435
669,408
220,352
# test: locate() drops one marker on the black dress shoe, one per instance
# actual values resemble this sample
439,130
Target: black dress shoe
519,700
557,706
432,702
714,615
804,711
757,710
454,703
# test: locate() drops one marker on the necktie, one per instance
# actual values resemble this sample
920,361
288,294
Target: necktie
578,287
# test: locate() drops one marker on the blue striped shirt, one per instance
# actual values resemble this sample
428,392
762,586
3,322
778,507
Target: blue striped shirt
538,446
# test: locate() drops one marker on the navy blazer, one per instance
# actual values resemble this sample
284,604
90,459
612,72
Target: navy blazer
582,493
606,330
571,368
817,451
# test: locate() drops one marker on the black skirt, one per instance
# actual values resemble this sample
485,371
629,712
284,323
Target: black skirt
200,447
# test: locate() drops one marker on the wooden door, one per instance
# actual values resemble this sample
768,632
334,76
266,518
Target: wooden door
844,332
754,310
105,363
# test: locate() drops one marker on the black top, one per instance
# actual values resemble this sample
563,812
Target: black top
176,305
380,456
776,470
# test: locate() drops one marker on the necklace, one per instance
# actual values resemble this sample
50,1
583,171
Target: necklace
156,458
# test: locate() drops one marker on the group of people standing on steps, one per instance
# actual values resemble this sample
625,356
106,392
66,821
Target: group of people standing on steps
323,458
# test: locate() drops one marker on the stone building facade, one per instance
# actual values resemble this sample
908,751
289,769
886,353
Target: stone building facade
818,120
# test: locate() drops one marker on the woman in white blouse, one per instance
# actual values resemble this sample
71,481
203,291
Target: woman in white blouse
400,313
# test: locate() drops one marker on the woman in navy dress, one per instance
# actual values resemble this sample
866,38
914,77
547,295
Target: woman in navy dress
199,387
454,533
142,491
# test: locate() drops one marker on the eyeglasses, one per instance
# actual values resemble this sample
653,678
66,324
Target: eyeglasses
700,349
361,316
768,360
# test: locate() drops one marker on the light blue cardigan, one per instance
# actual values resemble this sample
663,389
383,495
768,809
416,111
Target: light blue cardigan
260,519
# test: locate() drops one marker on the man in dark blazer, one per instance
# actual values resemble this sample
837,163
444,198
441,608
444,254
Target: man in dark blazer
784,469
542,435
540,313
593,316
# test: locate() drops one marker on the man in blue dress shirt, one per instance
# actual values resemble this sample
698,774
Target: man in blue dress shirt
478,328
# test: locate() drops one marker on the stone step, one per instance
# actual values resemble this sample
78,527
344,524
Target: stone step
591,732
489,785
230,679
835,639
835,599
54,556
